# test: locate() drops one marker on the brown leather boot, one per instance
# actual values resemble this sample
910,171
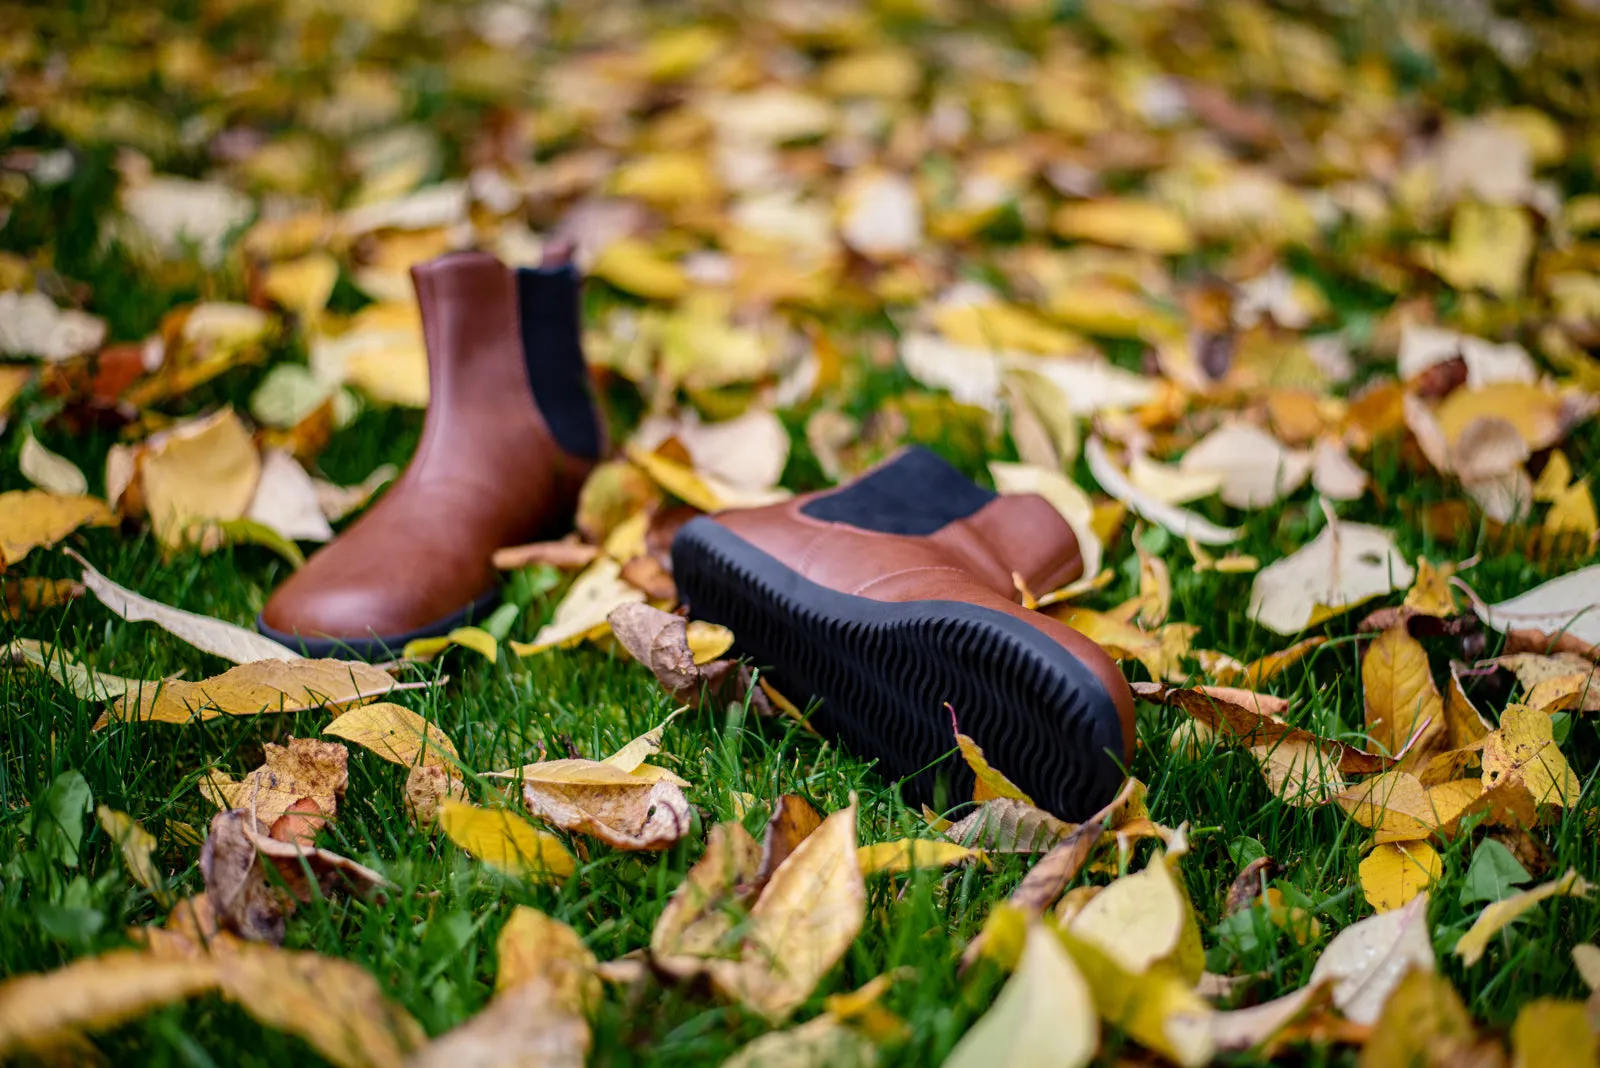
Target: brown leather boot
510,434
892,596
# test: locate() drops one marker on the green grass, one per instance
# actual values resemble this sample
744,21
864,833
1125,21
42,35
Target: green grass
430,942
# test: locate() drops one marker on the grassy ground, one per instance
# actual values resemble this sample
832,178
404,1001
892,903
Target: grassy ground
430,944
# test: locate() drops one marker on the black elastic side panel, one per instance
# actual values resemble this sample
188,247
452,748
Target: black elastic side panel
552,346
916,494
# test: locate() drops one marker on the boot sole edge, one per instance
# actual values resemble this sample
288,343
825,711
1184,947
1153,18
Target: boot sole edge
887,669
375,647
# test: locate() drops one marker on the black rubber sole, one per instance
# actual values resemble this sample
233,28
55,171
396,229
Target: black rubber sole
379,647
885,671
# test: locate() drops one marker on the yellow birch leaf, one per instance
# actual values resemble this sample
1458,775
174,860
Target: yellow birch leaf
265,686
335,1006
396,734
1159,1009
1488,249
1126,223
1398,807
632,265
534,946
137,847
1553,1034
1394,873
582,613
1494,919
1161,651
806,918
698,918
1043,1018
1424,1023
50,471
1145,919
1573,512
198,474
990,782
1524,747
1398,689
708,641
505,841
33,518
93,994
1299,771
477,639
895,858
1431,594
303,286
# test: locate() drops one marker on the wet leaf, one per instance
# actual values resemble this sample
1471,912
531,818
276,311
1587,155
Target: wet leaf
1368,959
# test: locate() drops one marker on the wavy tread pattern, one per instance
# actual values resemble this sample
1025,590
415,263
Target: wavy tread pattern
884,672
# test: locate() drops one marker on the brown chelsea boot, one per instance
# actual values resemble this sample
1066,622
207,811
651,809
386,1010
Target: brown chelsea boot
510,434
892,596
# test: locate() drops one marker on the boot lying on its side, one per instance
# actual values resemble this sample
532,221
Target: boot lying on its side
510,434
892,596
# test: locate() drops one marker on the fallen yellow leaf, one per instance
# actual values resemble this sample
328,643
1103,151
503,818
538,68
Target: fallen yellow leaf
1524,749
894,858
198,474
1553,1034
1126,223
1394,873
1494,918
93,994
533,946
1399,691
807,916
1044,1017
505,841
33,518
252,689
396,734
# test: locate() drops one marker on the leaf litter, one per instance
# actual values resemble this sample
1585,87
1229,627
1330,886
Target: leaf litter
796,208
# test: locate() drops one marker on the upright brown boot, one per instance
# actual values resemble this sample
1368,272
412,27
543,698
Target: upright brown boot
892,596
510,434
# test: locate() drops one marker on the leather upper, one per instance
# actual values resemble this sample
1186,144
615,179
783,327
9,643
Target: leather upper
486,473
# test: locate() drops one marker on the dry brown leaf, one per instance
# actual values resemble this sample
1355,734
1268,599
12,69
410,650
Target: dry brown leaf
504,840
533,947
658,640
40,1010
566,555
806,917
1004,825
209,635
33,518
396,734
236,884
637,815
263,686
1247,885
1301,773
427,785
1251,719
792,821
305,769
